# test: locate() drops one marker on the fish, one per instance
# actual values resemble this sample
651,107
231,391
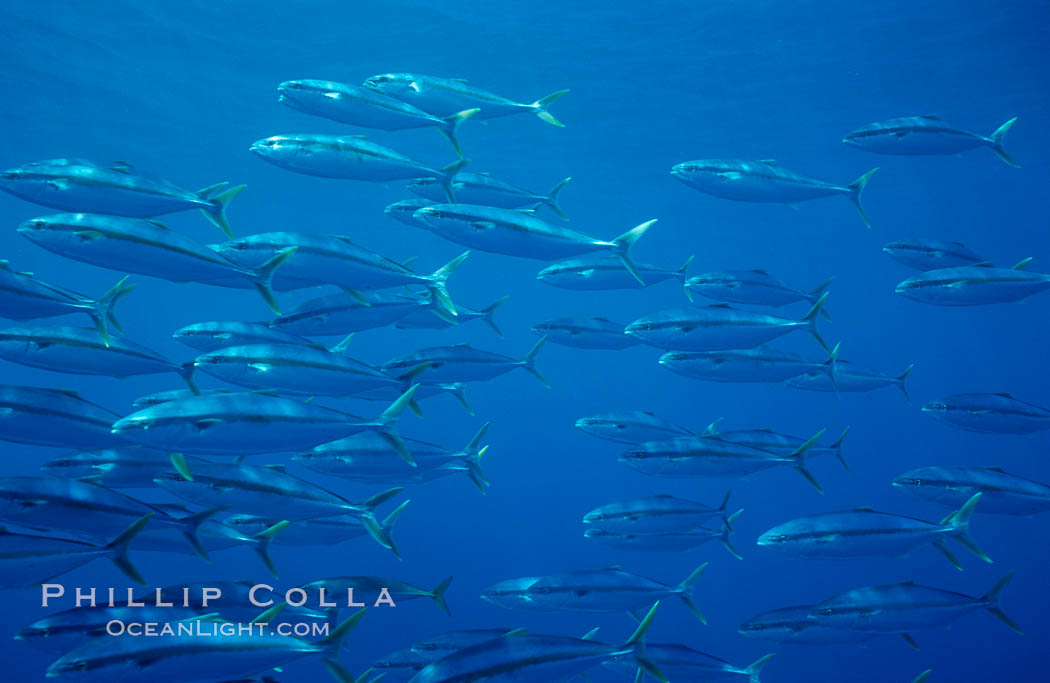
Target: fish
927,254
979,285
760,364
670,541
902,607
404,211
260,490
768,440
386,394
443,96
88,510
190,657
611,589
27,560
864,532
585,333
847,377
421,319
631,427
213,536
464,363
752,287
764,181
923,135
54,417
694,456
994,413
120,467
348,157
519,233
314,532
23,297
147,248
79,185
662,513
792,625
367,457
335,260
482,189
1002,493
521,656
250,423
514,594
600,272
682,663
400,665
366,107
292,369
346,312
80,351
214,335
719,327
62,631
435,647
159,397
400,591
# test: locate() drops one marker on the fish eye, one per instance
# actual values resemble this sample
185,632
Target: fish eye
619,425
827,612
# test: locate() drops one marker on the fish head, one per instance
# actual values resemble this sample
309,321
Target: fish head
403,211
773,537
59,231
596,516
174,483
229,364
759,627
913,478
307,95
279,148
603,427
936,407
637,454
698,173
67,467
398,85
447,218
428,188
93,662
249,525
640,327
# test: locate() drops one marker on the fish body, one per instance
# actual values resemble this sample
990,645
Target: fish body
764,181
602,271
760,364
667,541
304,532
245,423
520,233
117,190
400,665
191,657
1001,492
120,467
769,440
868,533
462,363
481,189
718,327
682,663
585,333
365,107
848,378
23,296
404,211
750,287
605,590
347,157
211,336
632,427
292,369
80,351
399,591
147,248
989,413
652,515
974,285
159,397
27,560
443,97
514,594
435,647
927,255
925,135
902,607
793,625
63,631
54,417
345,312
422,319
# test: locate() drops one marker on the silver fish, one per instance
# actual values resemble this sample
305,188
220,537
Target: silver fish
585,333
484,190
974,285
920,135
925,254
1001,492
989,413
599,272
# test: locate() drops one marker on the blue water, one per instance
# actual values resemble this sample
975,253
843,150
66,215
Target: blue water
182,89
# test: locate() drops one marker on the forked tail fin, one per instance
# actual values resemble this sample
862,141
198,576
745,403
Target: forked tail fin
855,188
451,123
625,242
439,278
991,602
551,199
996,141
811,319
119,548
529,361
541,106
685,592
216,212
101,311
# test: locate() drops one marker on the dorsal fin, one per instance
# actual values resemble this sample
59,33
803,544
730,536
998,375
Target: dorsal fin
759,271
996,469
156,223
1021,264
768,162
930,117
719,306
1004,395
865,508
277,467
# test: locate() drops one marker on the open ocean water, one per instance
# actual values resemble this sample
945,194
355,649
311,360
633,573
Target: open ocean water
183,89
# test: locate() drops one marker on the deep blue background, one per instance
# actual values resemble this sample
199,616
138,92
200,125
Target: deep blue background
182,89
